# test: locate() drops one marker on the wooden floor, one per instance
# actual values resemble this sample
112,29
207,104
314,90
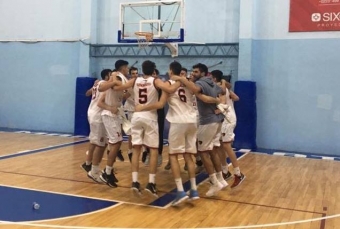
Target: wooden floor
277,189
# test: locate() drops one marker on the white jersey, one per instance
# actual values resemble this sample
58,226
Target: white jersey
130,102
181,109
94,112
231,110
145,93
113,97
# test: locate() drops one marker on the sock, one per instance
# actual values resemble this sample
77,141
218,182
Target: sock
134,176
193,183
88,162
152,178
237,171
219,176
95,169
179,184
108,170
225,169
213,178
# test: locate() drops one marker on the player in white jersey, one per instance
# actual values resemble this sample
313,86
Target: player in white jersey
110,101
227,132
97,129
129,107
182,132
144,130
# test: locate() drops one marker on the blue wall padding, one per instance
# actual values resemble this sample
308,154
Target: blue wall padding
81,125
245,108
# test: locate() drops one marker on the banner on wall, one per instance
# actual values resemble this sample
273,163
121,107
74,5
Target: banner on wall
314,15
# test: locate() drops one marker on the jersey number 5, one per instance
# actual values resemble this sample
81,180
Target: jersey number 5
143,96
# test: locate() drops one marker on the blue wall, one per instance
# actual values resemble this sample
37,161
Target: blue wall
298,94
38,85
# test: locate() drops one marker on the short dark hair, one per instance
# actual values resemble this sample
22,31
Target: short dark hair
176,67
184,69
132,69
105,72
217,74
156,71
148,67
201,67
120,63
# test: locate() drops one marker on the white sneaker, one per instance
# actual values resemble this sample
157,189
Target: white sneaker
94,177
214,189
224,183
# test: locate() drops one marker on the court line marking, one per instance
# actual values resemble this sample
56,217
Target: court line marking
27,152
231,227
81,196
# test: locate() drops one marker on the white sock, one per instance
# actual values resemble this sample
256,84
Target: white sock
193,183
108,170
95,169
237,171
219,176
179,184
225,169
88,162
152,178
134,176
213,178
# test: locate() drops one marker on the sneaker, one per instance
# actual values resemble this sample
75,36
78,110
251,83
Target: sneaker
136,187
227,176
151,187
199,169
144,155
120,155
214,189
94,177
110,180
147,160
130,156
185,167
180,197
238,180
159,160
168,166
114,172
86,167
193,195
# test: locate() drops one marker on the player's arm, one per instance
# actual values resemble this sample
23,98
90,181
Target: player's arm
110,83
104,106
89,92
154,106
207,98
166,86
127,85
233,96
126,95
190,85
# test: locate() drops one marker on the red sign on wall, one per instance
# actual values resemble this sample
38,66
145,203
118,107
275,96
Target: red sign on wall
314,15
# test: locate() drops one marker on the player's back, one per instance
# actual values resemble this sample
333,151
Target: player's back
145,92
94,111
181,109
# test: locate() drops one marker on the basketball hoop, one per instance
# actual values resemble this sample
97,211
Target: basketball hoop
144,39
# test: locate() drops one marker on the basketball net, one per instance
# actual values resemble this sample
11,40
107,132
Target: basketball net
173,47
144,39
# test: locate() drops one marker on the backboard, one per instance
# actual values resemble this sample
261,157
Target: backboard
164,19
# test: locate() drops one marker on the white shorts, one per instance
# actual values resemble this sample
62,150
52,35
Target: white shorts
97,134
208,136
227,131
182,138
144,132
113,126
